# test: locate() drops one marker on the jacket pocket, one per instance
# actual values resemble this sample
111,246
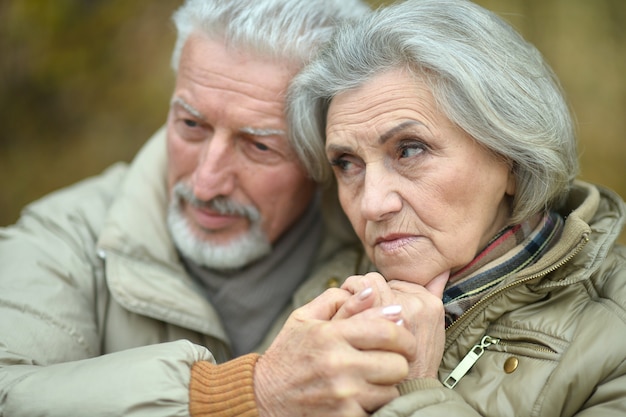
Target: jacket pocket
530,344
506,371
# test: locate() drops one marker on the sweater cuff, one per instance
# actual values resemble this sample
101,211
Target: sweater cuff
224,390
411,385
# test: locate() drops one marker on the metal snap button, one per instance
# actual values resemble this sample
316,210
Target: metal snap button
510,365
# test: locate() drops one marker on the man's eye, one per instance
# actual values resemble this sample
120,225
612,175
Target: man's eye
190,123
192,130
261,146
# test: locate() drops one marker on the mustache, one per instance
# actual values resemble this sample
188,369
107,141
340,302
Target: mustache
220,204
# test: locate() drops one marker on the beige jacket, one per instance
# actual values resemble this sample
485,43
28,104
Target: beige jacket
554,336
97,315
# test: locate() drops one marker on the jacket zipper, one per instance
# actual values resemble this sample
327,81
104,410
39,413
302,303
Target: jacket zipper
526,345
468,361
477,351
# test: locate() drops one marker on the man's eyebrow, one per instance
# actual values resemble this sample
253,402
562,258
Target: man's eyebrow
262,132
247,130
188,107
391,132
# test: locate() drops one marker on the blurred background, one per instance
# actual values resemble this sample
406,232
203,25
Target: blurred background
83,83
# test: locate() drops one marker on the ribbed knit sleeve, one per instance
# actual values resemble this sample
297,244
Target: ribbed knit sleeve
225,390
417,384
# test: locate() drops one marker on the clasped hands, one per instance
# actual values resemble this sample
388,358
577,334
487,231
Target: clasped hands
343,353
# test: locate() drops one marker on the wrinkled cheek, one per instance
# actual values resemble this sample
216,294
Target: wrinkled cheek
181,162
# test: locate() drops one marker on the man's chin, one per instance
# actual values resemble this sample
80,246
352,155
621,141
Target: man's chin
234,255
223,253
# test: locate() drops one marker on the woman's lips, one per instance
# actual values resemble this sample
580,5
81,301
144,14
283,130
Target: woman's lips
390,243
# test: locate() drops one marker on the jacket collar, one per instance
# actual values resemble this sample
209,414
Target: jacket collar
594,217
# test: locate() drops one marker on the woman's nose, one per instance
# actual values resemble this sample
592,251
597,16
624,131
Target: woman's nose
380,199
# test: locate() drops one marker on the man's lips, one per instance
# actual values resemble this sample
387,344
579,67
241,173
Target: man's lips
211,219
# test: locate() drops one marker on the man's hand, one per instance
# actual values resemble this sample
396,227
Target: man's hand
319,367
423,313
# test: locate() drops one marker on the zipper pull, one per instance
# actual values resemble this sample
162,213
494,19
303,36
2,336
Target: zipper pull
468,361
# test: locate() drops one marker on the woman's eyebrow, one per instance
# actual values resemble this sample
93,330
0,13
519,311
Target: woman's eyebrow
337,149
391,132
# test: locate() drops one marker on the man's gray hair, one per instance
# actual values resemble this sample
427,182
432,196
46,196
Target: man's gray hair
484,76
290,30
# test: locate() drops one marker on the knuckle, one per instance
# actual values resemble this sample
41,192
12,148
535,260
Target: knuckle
339,366
334,292
342,389
392,333
350,281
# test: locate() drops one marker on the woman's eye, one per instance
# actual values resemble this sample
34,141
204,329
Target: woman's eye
341,164
410,150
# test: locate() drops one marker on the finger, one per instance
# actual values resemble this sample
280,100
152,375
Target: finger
374,367
438,284
405,287
364,333
324,306
357,283
356,304
385,368
435,287
375,396
393,313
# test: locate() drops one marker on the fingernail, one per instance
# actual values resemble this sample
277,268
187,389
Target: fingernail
400,322
392,310
365,293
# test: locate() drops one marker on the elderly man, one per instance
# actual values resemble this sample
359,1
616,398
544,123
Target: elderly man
158,288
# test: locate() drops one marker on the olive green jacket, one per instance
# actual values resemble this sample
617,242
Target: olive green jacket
551,341
97,315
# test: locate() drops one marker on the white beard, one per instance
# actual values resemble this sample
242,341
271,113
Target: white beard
239,252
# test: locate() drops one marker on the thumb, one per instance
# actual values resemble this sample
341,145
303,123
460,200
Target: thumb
438,284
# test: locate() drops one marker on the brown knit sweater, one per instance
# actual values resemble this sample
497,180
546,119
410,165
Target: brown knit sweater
224,390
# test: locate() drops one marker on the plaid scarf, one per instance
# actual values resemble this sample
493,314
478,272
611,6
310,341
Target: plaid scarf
511,250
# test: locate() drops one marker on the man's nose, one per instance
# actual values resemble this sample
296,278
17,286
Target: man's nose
216,171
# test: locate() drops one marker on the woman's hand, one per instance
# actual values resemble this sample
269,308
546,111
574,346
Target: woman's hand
322,367
422,313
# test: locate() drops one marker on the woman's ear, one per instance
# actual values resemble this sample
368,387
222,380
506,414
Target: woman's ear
511,185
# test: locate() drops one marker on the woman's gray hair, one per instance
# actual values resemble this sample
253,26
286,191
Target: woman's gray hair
484,76
290,30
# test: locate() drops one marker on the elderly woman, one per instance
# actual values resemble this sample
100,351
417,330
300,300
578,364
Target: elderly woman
454,155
